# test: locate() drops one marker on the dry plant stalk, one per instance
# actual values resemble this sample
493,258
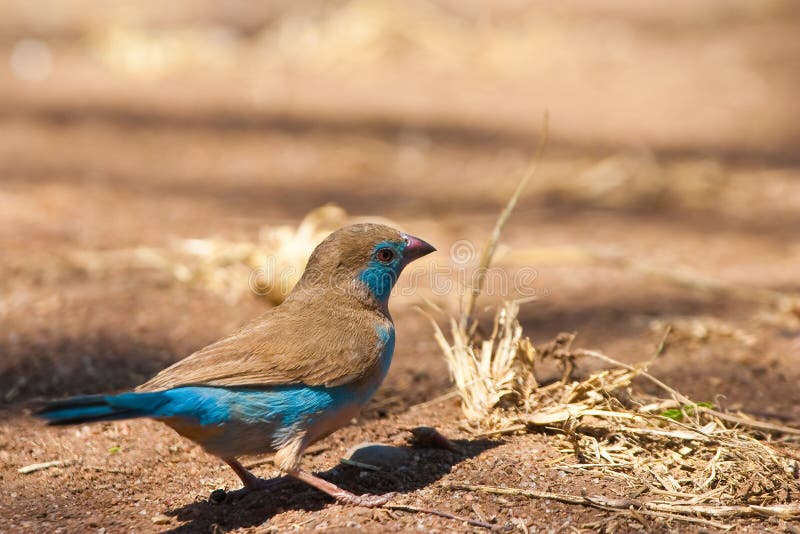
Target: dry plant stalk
489,373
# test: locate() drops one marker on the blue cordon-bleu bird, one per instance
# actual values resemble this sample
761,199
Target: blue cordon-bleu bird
290,377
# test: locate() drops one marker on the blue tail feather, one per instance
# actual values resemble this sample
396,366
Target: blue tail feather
91,408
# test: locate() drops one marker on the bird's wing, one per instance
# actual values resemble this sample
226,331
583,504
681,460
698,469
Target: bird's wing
287,345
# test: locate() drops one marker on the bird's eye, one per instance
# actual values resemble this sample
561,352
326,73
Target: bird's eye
385,255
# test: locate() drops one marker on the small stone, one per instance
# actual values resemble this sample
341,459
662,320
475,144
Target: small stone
160,519
384,456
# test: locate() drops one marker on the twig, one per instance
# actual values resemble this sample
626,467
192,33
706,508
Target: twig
752,423
685,435
28,469
758,425
786,511
601,503
662,345
447,515
491,245
600,356
686,519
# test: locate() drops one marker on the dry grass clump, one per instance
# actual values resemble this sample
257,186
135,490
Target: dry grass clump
492,372
678,457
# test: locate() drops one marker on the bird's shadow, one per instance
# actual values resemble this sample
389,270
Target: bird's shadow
409,469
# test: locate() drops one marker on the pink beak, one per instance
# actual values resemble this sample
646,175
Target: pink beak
416,248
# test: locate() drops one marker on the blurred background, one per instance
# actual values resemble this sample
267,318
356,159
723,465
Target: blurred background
147,145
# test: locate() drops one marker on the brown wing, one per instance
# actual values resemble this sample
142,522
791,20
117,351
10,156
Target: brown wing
296,342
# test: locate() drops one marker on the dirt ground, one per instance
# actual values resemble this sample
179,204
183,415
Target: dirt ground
674,144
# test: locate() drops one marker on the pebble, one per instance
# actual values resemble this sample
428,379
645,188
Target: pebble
383,456
160,519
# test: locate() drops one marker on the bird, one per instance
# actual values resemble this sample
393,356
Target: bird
288,378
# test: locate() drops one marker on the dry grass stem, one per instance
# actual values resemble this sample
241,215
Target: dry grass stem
491,246
485,374
440,513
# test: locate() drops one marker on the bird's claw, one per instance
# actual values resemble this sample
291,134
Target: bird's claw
367,500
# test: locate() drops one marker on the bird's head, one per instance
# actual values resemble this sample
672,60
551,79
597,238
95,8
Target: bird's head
363,260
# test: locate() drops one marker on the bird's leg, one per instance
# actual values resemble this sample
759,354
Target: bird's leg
287,458
249,480
341,495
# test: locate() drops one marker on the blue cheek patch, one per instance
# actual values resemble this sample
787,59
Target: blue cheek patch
381,277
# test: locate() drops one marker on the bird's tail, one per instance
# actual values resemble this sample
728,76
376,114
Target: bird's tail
91,408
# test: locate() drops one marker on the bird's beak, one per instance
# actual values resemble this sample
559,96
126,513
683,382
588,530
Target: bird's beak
416,248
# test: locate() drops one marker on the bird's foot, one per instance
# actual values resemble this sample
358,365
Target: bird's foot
367,500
